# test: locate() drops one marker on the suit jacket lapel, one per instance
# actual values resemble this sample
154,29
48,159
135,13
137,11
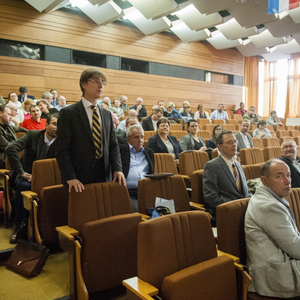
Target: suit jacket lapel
227,171
40,144
241,141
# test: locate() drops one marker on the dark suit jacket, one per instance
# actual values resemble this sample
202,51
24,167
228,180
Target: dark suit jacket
32,143
147,124
142,113
125,157
6,137
295,175
121,137
51,112
219,186
75,149
28,96
158,146
241,144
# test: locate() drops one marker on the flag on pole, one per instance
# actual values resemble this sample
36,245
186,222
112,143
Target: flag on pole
277,6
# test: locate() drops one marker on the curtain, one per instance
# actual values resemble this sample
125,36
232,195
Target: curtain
251,72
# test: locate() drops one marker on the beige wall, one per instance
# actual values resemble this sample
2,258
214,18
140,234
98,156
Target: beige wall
63,28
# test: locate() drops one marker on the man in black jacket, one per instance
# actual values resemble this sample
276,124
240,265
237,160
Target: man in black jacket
289,151
136,161
37,144
149,124
139,108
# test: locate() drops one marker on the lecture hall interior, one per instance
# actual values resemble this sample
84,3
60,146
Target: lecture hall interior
207,52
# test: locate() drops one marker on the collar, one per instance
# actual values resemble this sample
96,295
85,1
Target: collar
273,194
46,139
243,133
228,161
87,103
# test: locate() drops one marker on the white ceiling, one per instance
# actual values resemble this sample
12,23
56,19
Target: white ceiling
244,24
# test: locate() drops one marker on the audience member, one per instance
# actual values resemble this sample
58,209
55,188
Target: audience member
261,131
45,109
161,105
2,101
35,122
223,177
131,113
174,114
85,155
54,101
274,120
116,109
137,161
184,104
7,132
200,113
25,108
113,115
13,98
272,237
62,102
123,103
121,134
187,112
244,139
37,144
162,142
47,96
17,116
23,94
241,111
149,123
140,109
192,141
219,114
251,116
212,142
289,156
105,100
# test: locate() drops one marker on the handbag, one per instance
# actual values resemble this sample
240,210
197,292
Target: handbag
28,258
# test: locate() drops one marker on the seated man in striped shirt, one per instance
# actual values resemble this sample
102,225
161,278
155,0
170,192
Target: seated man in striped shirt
220,114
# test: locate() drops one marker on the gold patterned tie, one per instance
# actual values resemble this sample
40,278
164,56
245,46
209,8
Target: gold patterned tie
96,131
236,177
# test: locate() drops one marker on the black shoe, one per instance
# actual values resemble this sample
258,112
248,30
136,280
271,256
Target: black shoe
19,232
13,236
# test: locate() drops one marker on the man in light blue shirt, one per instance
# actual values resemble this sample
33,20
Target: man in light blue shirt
219,114
137,161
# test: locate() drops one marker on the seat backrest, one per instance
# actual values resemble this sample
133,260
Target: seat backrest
148,134
209,127
214,153
294,133
297,141
175,127
164,163
281,133
271,141
251,156
178,134
252,171
282,139
294,202
237,117
203,121
45,172
172,243
230,227
290,127
168,188
20,134
205,134
192,161
272,152
257,143
217,121
228,127
97,201
197,187
232,121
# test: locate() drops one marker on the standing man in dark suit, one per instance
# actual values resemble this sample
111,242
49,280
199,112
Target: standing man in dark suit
87,150
149,124
289,156
223,177
37,144
243,138
136,161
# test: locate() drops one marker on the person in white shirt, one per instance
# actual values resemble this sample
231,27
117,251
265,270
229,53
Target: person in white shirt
62,102
243,137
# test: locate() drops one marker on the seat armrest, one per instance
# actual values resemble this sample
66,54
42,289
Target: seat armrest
235,258
145,217
27,198
197,206
139,288
67,232
4,171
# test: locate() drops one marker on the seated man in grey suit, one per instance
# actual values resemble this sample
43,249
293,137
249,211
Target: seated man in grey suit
289,156
136,161
149,124
272,236
223,177
244,139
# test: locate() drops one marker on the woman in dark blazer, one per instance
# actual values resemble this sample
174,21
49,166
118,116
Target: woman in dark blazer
212,142
162,142
192,141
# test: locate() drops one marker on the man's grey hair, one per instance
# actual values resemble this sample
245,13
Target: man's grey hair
47,95
288,141
132,111
247,121
122,97
130,118
219,138
265,169
132,127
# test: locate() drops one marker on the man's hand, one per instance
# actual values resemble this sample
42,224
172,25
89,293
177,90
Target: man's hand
78,186
176,162
202,149
138,108
119,176
27,176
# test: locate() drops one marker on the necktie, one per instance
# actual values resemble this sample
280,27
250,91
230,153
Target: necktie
96,131
44,151
236,177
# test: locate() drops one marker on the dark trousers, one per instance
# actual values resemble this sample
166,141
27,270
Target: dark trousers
21,213
133,199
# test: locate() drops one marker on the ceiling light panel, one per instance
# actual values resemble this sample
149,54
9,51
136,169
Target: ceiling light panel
251,50
219,41
283,27
266,39
295,14
154,9
232,30
275,55
98,2
40,5
291,47
192,17
211,6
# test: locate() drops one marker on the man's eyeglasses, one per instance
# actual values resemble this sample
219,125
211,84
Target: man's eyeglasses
97,81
